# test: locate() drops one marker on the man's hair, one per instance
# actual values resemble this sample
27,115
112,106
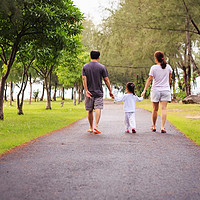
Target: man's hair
94,54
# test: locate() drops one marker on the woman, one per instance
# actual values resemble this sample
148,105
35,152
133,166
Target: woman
160,91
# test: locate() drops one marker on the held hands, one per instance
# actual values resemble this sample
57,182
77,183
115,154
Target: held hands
111,95
143,93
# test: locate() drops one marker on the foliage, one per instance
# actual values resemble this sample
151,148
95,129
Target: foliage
180,94
70,70
50,25
132,33
16,130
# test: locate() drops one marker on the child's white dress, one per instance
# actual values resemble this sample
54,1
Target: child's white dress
129,109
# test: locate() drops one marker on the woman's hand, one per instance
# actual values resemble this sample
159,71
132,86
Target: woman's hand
143,93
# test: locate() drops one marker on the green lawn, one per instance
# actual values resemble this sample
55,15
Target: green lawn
36,121
186,117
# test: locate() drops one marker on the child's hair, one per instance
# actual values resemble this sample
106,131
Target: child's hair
131,87
159,55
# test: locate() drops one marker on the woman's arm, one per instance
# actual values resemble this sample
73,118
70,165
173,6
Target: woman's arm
149,80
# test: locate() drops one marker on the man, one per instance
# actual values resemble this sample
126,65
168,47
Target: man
92,74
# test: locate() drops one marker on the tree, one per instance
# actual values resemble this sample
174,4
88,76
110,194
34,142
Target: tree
132,34
34,20
70,71
25,59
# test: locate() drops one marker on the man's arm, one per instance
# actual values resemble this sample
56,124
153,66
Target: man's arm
107,82
87,93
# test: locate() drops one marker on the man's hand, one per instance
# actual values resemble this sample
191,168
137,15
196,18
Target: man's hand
111,95
88,94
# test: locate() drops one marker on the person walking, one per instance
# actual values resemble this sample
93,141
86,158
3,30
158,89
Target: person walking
92,74
129,100
160,91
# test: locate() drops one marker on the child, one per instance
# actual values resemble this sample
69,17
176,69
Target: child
129,106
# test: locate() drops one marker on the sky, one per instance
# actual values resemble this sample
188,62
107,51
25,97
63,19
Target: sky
95,9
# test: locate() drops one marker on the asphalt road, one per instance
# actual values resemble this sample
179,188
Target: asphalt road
71,164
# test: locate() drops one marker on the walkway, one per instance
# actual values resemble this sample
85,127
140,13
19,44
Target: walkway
73,164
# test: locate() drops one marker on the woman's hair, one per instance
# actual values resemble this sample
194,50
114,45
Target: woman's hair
131,87
159,55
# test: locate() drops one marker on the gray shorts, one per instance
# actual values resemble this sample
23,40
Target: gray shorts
157,96
94,103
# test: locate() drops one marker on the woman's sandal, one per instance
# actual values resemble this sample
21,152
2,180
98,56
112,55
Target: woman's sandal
153,129
163,131
90,131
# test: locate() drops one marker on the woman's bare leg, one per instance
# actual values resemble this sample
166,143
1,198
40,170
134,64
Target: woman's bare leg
155,113
163,105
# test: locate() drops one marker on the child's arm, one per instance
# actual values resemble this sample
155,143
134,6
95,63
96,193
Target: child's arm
138,98
118,99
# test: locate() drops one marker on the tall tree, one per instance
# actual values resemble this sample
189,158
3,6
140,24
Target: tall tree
32,20
132,34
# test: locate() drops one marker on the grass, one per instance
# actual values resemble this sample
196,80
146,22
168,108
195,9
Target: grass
36,121
185,117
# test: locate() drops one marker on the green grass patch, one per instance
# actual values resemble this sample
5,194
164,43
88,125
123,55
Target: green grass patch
36,121
185,117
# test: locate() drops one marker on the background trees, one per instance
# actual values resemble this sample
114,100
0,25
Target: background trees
35,21
133,32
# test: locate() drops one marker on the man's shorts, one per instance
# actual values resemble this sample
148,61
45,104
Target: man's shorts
157,96
93,103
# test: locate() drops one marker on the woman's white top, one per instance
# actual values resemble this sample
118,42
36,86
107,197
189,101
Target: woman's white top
160,77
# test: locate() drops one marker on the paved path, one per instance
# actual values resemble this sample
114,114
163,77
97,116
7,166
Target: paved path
73,164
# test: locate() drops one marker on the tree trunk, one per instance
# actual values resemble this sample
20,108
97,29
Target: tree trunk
21,92
2,85
48,104
74,96
81,94
50,77
188,61
30,82
54,96
9,64
30,89
173,84
63,93
5,92
72,93
43,88
11,93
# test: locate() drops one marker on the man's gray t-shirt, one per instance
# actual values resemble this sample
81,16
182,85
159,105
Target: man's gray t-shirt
94,71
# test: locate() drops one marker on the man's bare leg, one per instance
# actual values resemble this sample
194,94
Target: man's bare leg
90,119
97,117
